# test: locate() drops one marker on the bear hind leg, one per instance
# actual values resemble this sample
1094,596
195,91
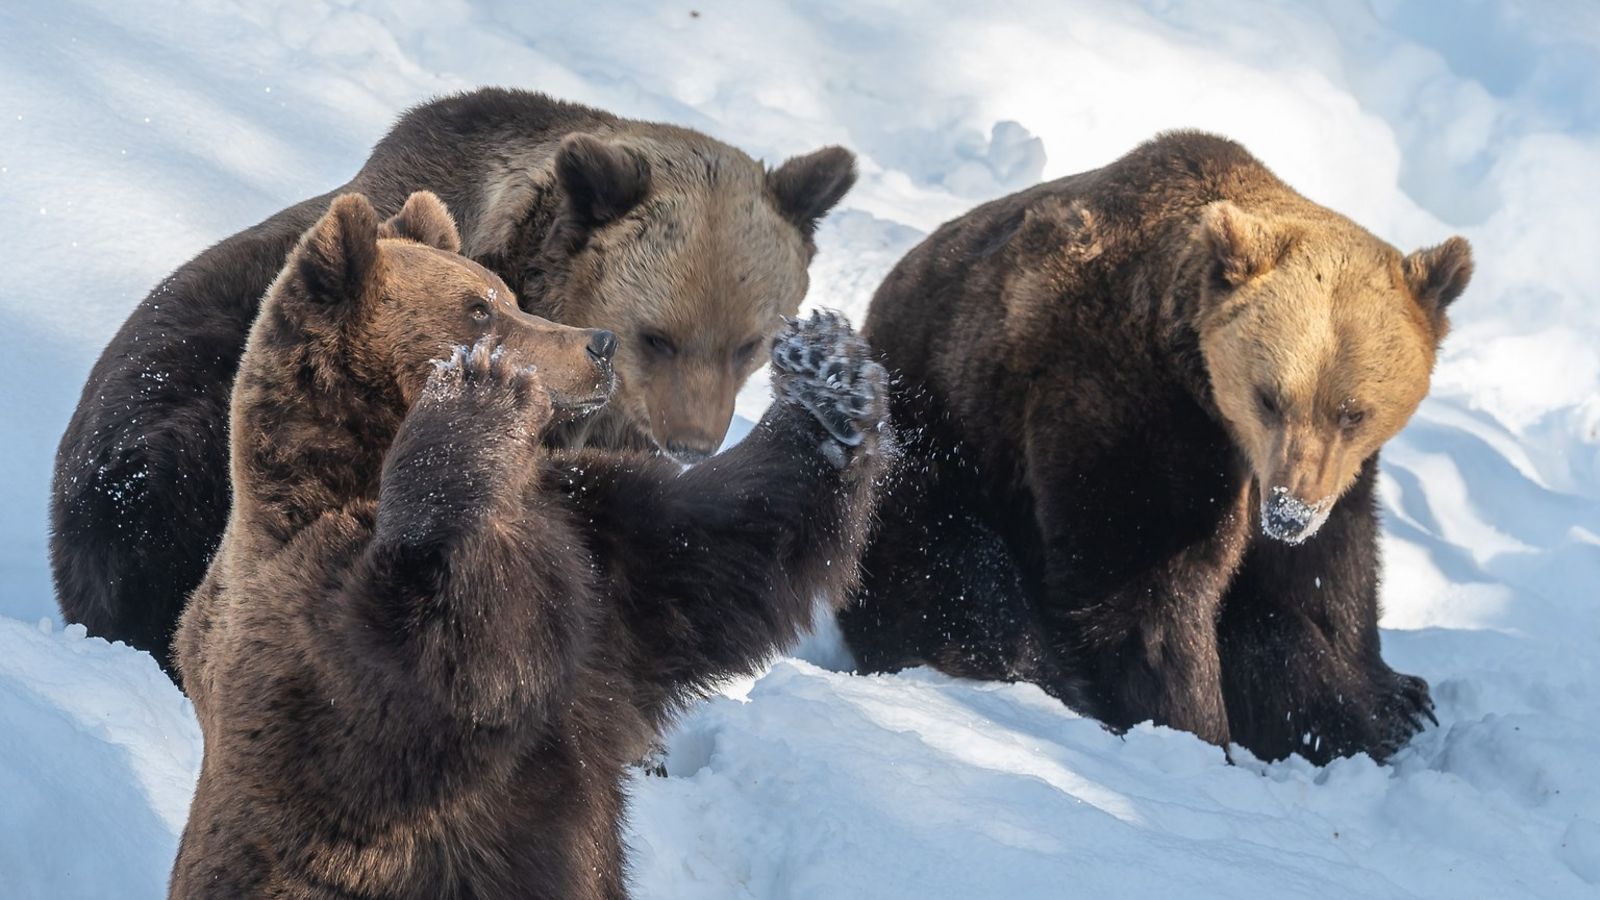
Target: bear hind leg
948,593
132,530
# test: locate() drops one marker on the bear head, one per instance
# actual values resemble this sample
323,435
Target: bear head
691,253
381,301
1319,342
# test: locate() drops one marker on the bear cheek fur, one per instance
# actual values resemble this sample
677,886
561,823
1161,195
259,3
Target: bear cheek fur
1312,348
408,323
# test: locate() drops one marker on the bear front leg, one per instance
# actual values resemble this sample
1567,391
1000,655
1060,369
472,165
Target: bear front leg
466,451
1137,555
1302,666
715,569
459,585
1149,648
939,587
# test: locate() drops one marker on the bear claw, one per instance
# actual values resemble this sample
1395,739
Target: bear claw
824,366
1406,711
485,373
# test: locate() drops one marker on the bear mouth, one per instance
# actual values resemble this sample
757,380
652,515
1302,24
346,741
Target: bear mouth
579,408
576,407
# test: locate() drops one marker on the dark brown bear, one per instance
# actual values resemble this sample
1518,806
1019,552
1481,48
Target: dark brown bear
428,645
1152,398
681,245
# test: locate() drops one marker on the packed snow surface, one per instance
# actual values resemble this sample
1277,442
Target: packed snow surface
134,134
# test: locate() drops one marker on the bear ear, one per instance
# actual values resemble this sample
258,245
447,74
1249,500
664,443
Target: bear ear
1438,275
1244,246
806,187
601,181
339,255
425,220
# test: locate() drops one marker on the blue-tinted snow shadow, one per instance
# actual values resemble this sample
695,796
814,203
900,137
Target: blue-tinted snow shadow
43,376
83,822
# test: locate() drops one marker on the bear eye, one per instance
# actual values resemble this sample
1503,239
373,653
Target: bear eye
1350,418
746,350
1268,402
659,344
479,313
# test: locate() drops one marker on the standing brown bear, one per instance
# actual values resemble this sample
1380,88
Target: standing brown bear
1151,401
683,246
428,645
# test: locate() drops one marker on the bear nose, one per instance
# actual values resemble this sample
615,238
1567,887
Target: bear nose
1286,517
602,345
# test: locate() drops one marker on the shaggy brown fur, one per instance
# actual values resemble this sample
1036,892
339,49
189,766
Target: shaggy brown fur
1153,397
428,645
681,245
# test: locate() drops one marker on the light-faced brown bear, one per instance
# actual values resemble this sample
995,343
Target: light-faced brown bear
1149,401
429,644
683,246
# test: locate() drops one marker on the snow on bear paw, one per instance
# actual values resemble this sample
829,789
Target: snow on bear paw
821,364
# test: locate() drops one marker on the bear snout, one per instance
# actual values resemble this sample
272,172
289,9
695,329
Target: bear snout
1287,518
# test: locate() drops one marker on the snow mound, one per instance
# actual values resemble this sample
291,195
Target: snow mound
939,788
98,758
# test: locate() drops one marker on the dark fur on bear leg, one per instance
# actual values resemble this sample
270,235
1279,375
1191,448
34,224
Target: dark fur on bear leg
477,421
139,514
974,613
979,623
1317,600
1135,606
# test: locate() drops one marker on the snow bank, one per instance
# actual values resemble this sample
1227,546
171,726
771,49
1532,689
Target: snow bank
828,785
98,757
131,135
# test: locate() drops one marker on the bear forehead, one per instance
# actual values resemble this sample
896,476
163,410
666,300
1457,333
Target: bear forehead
1335,324
698,310
679,219
1339,273
1319,323
419,265
736,258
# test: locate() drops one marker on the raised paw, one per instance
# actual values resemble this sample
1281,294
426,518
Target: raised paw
821,364
484,382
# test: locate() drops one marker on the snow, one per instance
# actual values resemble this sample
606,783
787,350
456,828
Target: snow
131,135
98,756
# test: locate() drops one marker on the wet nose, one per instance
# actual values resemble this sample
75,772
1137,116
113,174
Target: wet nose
602,345
1285,516
689,454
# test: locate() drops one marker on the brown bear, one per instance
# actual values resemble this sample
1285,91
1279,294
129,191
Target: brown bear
428,644
681,245
1150,400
